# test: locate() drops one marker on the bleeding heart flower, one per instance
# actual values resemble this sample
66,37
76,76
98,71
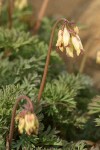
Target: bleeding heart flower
69,40
27,122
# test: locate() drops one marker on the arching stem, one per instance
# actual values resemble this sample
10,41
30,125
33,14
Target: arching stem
14,114
48,58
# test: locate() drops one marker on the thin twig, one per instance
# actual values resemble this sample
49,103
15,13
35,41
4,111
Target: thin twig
14,114
84,59
40,16
48,58
10,12
83,62
0,9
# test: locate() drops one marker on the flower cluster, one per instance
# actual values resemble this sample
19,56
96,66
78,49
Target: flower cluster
27,122
69,40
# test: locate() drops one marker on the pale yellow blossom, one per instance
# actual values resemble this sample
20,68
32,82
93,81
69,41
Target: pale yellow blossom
69,51
77,44
60,38
76,29
20,4
98,57
69,40
31,124
28,123
21,125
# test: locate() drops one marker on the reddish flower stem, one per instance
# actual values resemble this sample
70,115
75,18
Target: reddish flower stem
48,57
10,12
14,114
0,10
40,16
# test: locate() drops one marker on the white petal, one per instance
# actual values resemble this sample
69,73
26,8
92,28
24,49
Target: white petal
60,38
76,29
69,51
81,46
80,43
76,44
59,42
60,33
66,37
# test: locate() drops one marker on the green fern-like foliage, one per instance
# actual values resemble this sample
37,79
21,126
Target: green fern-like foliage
46,138
63,112
64,94
69,146
97,120
94,108
8,96
14,39
92,126
20,69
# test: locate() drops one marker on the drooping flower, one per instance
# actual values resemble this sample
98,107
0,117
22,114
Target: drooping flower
69,40
27,122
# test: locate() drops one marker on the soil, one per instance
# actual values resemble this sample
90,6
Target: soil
86,13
